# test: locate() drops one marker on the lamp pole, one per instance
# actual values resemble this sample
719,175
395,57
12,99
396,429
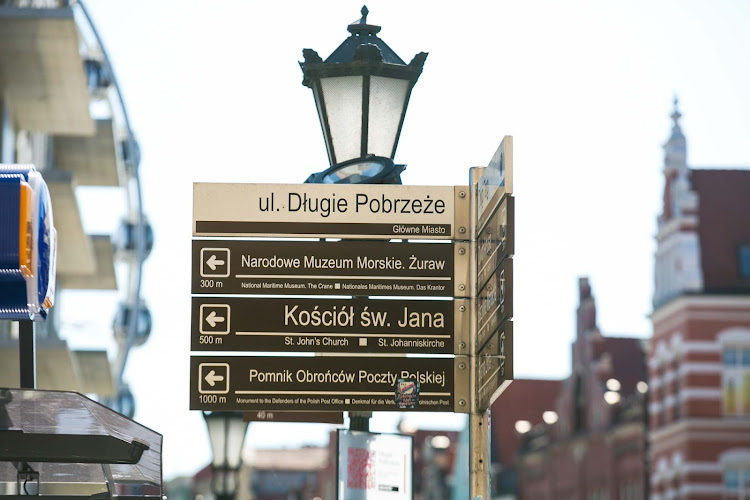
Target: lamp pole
361,93
226,433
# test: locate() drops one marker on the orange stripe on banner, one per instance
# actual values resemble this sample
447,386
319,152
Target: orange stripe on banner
24,230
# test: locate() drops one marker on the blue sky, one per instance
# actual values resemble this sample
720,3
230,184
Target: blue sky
584,87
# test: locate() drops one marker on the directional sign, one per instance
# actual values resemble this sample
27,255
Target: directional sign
252,383
318,417
495,302
496,181
494,365
330,325
252,267
496,241
324,210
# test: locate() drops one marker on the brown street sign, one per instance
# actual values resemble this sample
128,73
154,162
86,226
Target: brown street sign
496,241
496,181
495,302
296,324
316,417
328,383
284,267
494,365
326,210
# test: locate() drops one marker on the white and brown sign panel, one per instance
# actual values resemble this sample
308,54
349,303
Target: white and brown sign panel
285,267
494,365
329,383
362,325
496,241
331,210
495,302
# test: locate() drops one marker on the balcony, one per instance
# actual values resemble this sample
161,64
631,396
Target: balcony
41,69
91,160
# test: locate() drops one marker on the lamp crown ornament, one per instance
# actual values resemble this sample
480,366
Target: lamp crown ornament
361,94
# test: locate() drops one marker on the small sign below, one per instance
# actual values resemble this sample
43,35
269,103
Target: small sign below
314,417
374,466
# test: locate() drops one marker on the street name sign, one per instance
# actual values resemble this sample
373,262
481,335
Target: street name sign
328,210
496,241
329,383
258,324
284,267
496,181
494,365
495,302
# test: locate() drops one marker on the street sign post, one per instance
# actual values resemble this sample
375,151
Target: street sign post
251,383
328,210
252,267
495,302
258,324
494,365
252,295
496,241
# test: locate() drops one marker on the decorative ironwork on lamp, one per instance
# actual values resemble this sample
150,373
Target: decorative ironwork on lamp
361,93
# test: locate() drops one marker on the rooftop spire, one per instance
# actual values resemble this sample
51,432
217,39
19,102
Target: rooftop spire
676,115
676,147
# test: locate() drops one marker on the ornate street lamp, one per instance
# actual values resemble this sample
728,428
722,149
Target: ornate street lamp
361,92
226,432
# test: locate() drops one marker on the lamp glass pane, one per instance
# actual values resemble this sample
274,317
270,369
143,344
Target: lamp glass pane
236,438
387,101
217,435
343,102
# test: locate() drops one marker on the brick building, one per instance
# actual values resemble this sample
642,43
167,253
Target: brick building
593,444
699,356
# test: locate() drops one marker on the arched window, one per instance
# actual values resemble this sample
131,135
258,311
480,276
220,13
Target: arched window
735,464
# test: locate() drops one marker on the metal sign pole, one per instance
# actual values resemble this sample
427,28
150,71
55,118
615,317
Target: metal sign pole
479,443
27,354
479,479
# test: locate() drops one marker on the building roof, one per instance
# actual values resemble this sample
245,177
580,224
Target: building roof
628,362
724,224
524,399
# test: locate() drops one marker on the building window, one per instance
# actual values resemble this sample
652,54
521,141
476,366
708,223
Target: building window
737,482
744,261
736,379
